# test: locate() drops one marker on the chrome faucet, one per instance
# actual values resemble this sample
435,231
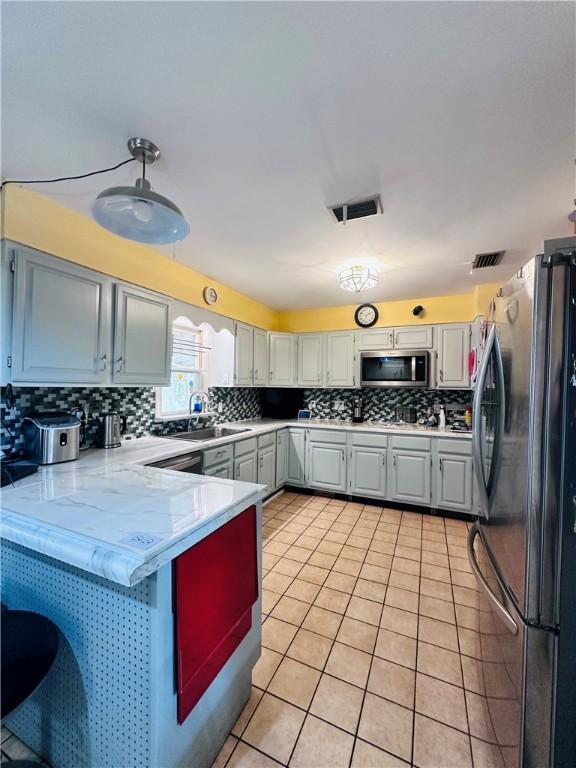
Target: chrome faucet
205,406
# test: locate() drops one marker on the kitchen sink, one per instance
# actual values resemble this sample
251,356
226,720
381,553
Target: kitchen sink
208,433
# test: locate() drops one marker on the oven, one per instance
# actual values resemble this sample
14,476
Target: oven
394,369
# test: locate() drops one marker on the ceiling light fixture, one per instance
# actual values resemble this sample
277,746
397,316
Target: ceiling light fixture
357,278
138,213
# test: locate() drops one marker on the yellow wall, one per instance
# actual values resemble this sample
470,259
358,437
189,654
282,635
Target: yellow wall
37,221
437,309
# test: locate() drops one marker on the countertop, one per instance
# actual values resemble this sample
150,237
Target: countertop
110,515
113,516
261,426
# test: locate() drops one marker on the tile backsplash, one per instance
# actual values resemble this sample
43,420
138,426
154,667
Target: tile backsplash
138,405
381,403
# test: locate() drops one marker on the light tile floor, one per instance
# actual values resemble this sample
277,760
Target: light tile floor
368,617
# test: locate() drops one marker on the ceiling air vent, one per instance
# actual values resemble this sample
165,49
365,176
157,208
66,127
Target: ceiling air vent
358,210
483,260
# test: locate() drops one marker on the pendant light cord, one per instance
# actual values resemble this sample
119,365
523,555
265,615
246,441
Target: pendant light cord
66,178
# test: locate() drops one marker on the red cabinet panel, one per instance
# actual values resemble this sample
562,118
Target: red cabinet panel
215,585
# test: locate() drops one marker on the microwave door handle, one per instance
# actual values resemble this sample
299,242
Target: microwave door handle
413,367
477,423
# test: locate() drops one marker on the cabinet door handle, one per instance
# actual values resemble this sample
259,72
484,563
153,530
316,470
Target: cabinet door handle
441,465
343,455
255,371
271,374
383,459
104,363
393,459
441,375
119,364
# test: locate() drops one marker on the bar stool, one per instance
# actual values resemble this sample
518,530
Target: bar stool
29,647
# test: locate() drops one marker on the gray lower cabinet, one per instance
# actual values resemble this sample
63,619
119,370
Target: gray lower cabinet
267,466
246,467
296,472
454,482
409,476
367,471
225,470
142,337
281,457
326,466
61,321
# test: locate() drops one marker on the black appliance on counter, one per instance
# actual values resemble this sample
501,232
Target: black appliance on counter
282,403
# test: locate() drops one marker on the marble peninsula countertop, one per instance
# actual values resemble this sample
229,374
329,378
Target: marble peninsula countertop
111,515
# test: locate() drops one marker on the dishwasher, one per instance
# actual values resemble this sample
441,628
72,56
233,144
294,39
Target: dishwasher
186,462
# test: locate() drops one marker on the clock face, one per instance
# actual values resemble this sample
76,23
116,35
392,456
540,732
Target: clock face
210,295
366,315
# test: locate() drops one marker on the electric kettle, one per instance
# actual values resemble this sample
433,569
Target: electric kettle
110,430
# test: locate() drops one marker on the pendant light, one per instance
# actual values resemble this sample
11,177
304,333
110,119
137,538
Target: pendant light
138,213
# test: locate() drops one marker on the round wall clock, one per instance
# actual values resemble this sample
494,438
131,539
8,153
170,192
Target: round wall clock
366,315
210,295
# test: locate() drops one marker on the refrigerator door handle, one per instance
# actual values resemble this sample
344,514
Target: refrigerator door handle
477,422
492,348
501,610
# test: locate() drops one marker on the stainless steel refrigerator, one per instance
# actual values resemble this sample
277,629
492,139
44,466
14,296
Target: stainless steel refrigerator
521,642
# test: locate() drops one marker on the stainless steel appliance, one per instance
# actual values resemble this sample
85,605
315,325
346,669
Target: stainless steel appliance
187,462
394,369
51,437
111,428
522,549
357,416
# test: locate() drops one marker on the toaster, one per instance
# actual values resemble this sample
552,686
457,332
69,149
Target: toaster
50,438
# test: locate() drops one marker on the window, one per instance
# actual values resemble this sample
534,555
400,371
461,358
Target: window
187,371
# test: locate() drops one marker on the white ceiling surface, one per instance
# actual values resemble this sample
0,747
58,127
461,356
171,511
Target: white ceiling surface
461,115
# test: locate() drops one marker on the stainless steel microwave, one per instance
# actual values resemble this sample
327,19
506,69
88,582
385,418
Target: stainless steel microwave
394,369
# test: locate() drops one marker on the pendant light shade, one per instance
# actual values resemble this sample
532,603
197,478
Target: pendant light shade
138,213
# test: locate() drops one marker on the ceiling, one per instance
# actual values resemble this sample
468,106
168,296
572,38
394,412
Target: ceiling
459,114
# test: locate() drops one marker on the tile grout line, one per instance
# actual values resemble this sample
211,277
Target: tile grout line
333,640
416,659
352,532
375,643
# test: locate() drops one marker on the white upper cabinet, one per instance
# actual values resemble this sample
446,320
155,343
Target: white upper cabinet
260,369
414,337
311,360
61,322
142,337
340,351
243,355
453,352
376,339
250,356
282,360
